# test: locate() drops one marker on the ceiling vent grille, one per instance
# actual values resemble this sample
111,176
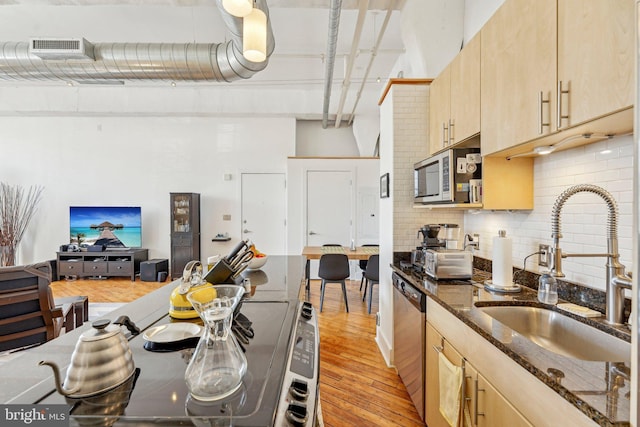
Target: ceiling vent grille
61,49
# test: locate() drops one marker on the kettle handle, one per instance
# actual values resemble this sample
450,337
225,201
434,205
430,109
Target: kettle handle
125,321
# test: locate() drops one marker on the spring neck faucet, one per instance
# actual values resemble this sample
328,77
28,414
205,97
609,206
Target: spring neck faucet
617,279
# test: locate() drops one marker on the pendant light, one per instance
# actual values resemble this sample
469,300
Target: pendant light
239,8
254,36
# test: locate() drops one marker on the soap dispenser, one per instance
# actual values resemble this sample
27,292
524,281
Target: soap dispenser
547,289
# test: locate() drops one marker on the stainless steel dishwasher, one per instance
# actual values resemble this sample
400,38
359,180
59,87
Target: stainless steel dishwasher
409,335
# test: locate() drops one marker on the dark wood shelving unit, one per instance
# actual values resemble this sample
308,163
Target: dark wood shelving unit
185,231
110,263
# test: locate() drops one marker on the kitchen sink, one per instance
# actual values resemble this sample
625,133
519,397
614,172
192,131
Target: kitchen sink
561,334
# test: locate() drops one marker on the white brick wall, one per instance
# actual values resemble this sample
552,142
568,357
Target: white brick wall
411,133
584,215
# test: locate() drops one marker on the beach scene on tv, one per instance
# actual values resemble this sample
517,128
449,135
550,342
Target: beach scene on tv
113,227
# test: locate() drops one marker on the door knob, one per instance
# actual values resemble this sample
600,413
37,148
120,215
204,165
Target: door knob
311,233
246,231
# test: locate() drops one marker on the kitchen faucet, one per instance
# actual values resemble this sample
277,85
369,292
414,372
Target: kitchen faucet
474,244
617,279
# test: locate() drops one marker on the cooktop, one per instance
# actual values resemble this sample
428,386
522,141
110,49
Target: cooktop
157,394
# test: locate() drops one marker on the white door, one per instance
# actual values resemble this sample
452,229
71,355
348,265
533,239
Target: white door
368,222
264,219
329,210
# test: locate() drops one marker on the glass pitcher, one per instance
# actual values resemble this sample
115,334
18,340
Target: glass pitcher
218,363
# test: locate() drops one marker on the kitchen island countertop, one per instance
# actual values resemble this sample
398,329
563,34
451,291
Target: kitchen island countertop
280,279
584,381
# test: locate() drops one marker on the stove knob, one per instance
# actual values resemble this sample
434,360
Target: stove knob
297,414
307,313
299,390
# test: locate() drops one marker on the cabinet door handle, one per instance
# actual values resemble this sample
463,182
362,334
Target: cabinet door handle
451,124
445,134
541,102
561,92
476,414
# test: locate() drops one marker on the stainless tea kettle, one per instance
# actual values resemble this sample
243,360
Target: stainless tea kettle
102,360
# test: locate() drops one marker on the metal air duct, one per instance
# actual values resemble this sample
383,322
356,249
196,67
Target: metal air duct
141,61
332,41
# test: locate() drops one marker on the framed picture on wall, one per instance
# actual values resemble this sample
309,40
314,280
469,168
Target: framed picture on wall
384,186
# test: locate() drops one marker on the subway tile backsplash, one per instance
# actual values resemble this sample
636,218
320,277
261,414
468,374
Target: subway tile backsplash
608,164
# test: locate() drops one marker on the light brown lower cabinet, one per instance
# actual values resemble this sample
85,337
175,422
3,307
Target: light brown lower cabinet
493,409
483,404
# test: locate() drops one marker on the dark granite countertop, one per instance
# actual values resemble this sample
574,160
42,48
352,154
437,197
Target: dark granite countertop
585,383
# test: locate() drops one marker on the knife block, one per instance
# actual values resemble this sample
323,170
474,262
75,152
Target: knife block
220,273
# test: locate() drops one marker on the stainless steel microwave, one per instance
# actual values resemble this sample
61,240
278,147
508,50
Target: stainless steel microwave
445,177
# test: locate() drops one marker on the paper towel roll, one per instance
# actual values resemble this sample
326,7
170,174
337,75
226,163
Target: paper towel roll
502,274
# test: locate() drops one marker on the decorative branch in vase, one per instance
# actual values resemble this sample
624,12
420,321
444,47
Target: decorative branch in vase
16,210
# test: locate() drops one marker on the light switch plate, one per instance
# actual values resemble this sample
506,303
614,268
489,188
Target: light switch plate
462,165
543,256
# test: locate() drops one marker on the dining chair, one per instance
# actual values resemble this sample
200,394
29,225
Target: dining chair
334,268
363,264
28,314
372,274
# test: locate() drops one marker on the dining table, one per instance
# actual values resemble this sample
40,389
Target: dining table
316,252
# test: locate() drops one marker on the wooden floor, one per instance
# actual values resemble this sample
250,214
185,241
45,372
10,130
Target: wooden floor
356,386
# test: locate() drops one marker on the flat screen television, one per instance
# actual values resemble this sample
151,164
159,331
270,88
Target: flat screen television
116,227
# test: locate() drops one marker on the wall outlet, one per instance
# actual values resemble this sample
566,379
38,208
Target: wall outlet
543,256
476,239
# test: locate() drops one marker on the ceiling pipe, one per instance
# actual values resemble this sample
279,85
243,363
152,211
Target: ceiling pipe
117,62
332,41
362,14
374,52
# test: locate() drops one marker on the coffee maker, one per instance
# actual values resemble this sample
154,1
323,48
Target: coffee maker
435,237
430,239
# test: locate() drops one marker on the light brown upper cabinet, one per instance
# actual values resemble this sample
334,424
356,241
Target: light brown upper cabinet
551,65
595,59
439,111
465,92
518,73
454,99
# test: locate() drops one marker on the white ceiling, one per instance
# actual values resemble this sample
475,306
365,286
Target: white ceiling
300,29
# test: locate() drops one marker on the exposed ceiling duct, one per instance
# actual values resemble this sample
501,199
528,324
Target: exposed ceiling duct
332,41
113,62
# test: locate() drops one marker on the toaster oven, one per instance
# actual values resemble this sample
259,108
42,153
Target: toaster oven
448,264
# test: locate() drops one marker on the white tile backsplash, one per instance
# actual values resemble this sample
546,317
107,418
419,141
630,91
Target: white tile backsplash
583,216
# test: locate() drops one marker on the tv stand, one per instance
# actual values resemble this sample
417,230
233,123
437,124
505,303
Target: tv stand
109,263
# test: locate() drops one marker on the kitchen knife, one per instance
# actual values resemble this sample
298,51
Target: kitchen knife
237,248
241,258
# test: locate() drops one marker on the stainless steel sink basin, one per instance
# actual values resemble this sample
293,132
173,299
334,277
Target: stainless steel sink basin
561,334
